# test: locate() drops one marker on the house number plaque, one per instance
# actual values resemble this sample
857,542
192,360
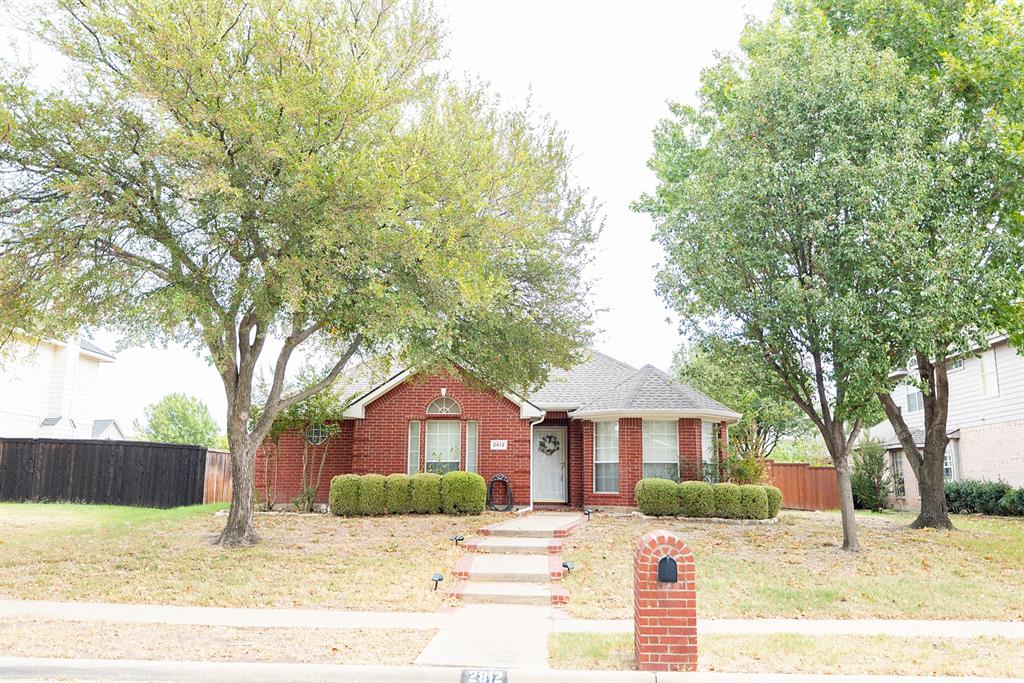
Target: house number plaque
499,444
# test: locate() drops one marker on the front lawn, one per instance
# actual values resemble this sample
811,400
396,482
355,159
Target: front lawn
796,568
122,554
799,654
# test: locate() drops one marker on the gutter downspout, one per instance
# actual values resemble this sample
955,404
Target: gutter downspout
533,423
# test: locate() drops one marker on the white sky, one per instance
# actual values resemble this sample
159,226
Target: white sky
604,70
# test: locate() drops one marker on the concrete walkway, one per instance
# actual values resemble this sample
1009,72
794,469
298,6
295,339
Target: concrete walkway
558,621
31,669
493,636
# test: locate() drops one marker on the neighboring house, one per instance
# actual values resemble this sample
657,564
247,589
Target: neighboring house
583,439
985,425
49,389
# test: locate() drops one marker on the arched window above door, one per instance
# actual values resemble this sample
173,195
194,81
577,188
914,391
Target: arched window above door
444,406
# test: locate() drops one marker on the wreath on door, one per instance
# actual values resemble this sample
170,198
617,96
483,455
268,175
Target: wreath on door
549,444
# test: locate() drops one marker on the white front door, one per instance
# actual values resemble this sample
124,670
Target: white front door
549,465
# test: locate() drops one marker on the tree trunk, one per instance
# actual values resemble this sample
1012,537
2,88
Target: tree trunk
842,463
240,530
931,486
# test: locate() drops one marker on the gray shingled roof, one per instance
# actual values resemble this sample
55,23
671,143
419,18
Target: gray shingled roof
89,346
582,383
651,389
100,426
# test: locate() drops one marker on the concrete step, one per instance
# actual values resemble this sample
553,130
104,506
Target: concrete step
510,568
507,593
514,545
539,525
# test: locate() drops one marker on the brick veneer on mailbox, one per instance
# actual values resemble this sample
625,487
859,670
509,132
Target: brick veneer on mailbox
664,614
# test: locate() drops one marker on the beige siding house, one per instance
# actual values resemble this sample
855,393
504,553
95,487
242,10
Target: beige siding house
49,389
986,422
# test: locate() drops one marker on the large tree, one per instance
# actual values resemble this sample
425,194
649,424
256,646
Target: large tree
265,180
179,418
783,202
967,59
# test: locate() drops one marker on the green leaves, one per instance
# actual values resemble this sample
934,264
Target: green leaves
177,418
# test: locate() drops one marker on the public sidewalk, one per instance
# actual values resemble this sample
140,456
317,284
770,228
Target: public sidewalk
308,618
35,669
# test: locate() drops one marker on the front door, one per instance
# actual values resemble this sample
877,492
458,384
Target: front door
549,465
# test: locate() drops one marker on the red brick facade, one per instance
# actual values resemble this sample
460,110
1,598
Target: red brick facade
378,443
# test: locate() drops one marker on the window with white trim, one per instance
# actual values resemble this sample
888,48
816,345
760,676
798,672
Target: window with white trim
915,399
955,365
899,484
471,446
949,462
606,457
444,406
989,374
661,449
414,447
709,451
444,447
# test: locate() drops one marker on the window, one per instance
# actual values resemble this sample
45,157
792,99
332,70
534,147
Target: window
444,450
955,365
414,446
915,399
899,486
709,451
606,457
661,449
949,462
471,446
989,374
317,434
444,406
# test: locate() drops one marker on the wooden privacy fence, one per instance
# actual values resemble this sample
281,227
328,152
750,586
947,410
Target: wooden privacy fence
217,482
805,487
113,472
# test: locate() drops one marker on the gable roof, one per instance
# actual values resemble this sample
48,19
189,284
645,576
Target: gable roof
88,346
570,389
100,426
649,391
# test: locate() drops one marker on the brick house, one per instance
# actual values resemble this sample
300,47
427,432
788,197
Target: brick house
583,439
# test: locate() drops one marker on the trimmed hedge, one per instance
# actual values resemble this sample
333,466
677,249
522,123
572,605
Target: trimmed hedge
463,493
985,497
344,496
371,495
774,500
398,494
658,497
663,497
425,497
727,501
753,502
696,499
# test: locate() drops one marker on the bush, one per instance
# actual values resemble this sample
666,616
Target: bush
869,477
657,496
397,493
727,501
774,495
1012,503
344,497
745,469
753,502
463,493
425,495
696,499
371,495
976,496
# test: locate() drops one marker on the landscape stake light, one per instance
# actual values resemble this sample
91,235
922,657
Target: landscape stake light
457,538
587,513
437,578
568,566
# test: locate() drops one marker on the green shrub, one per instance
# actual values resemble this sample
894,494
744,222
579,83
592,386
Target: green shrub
463,493
1012,503
344,497
657,496
774,495
869,477
727,501
397,492
745,469
753,502
970,495
371,495
426,493
696,499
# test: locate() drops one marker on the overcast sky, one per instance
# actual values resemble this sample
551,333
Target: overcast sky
604,70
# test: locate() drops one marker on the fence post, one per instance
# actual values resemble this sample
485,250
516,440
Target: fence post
664,604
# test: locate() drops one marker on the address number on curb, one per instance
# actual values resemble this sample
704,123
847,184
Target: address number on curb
484,676
499,444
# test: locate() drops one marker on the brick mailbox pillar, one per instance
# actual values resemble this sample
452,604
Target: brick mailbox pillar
664,611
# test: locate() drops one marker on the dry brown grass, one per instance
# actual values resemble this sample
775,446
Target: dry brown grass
108,640
101,553
788,653
797,569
